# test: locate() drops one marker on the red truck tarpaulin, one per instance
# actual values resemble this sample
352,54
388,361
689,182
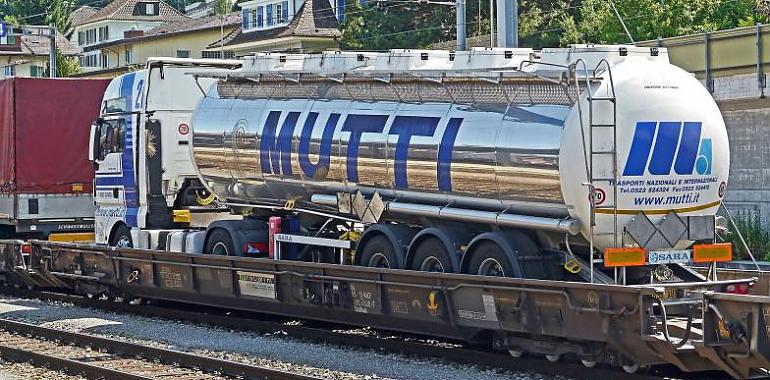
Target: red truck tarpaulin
44,132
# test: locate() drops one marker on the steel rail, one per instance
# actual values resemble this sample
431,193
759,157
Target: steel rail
165,356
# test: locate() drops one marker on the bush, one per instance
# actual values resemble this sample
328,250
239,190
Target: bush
756,234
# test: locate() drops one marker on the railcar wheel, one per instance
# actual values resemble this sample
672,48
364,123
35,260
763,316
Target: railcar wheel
516,353
379,253
552,358
489,260
431,256
122,237
631,368
219,242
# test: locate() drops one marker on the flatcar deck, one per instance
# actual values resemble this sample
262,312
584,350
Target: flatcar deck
620,325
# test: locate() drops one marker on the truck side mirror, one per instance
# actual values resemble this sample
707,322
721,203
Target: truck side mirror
93,143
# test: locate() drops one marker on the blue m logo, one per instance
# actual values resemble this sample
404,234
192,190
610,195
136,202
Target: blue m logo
678,146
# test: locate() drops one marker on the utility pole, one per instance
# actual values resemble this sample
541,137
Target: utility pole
507,23
460,5
52,53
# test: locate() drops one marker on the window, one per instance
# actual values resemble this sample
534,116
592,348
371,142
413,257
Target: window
269,15
183,54
81,38
9,71
89,60
245,19
129,56
341,10
150,9
279,13
260,16
90,36
37,71
254,18
284,11
104,33
8,40
104,60
111,137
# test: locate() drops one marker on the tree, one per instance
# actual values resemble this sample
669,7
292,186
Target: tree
65,66
38,12
221,9
649,19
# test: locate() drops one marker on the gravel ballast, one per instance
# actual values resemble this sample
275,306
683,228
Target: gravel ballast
274,350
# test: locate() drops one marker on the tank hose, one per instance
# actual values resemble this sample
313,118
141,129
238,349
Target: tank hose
204,201
571,265
687,330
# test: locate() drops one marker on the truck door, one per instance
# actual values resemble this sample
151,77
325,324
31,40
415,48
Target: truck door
115,186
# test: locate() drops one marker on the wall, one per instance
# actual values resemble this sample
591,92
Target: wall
23,69
195,42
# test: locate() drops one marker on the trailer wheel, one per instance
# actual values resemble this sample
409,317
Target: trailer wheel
489,260
219,242
379,253
431,256
122,237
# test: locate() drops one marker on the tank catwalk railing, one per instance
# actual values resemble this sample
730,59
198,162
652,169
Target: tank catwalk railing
498,89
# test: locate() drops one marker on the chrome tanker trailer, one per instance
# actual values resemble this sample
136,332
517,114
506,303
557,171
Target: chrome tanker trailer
506,162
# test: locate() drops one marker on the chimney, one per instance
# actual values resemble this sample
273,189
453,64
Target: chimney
133,33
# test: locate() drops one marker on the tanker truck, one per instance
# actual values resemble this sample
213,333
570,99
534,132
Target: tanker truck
600,163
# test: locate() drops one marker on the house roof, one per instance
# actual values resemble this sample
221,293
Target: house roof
128,10
82,14
32,44
187,25
314,19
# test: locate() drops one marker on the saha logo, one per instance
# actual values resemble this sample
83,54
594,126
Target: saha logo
678,146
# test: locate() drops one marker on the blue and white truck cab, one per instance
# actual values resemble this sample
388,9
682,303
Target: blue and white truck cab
144,178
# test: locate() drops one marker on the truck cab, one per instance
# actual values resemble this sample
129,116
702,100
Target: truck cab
144,178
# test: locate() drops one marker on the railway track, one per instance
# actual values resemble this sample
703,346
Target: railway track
101,358
348,337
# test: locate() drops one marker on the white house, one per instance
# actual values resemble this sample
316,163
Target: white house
118,20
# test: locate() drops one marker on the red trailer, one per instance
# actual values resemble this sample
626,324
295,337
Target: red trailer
46,179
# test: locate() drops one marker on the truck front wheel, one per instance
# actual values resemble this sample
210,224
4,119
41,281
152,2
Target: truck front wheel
219,242
122,237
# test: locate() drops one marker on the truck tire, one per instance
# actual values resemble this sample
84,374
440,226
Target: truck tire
219,242
379,253
122,237
489,260
431,256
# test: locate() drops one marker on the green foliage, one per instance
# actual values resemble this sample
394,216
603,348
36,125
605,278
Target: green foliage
223,7
38,12
756,234
65,66
390,24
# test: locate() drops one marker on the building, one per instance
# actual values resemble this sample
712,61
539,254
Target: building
200,9
28,55
187,38
118,20
733,65
283,25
